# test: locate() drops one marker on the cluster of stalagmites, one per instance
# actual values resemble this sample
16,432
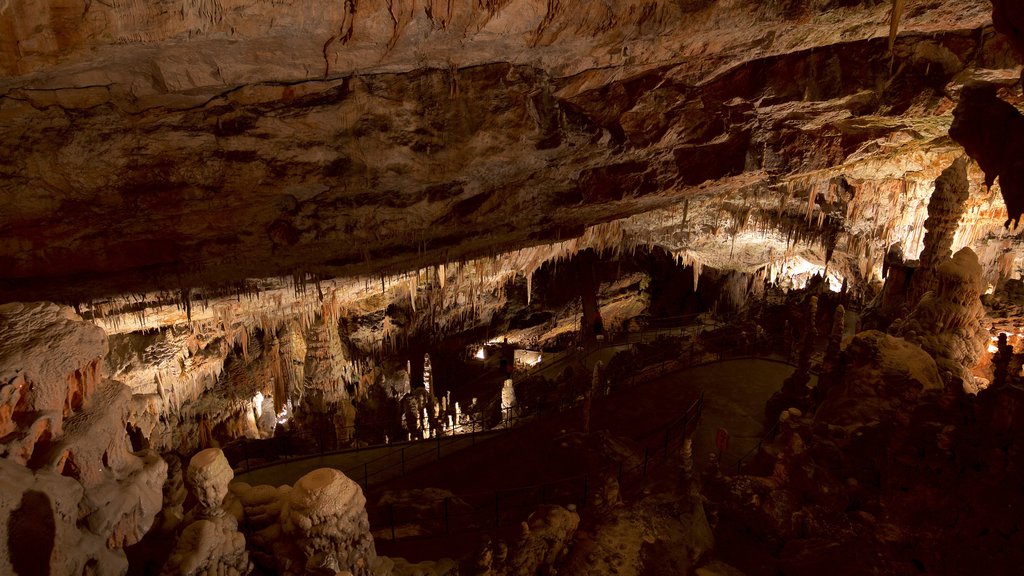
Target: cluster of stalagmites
894,472
541,546
936,302
195,383
74,494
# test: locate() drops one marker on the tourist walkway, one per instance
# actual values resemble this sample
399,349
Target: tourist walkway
380,463
367,466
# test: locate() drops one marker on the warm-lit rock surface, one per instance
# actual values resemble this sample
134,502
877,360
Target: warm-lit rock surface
210,542
216,141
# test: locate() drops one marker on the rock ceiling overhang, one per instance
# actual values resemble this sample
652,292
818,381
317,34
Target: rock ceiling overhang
165,146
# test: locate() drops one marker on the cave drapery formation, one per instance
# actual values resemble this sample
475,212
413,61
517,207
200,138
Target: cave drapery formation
258,217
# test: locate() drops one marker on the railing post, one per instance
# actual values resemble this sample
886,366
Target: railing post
445,516
497,510
403,460
392,516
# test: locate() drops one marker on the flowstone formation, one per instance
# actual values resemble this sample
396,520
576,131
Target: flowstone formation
326,404
945,209
73,492
936,302
906,281
326,518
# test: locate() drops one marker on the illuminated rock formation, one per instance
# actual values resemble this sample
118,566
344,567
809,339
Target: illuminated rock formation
945,209
326,406
317,525
253,200
325,517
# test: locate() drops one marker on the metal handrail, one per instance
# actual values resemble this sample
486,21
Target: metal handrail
502,506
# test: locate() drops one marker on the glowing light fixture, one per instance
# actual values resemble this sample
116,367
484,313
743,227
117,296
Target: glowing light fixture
481,354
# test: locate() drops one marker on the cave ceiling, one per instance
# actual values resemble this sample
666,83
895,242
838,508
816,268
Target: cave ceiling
175,145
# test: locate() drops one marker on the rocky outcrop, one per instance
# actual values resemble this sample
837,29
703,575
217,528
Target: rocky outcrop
883,478
74,493
326,518
884,378
991,130
1008,19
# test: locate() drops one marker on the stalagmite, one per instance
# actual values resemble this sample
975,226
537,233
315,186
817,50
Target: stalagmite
508,402
945,209
948,322
427,372
210,542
